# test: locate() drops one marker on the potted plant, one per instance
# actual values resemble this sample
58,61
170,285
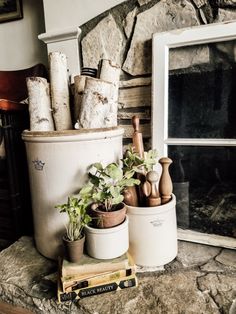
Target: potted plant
107,235
105,190
138,167
78,218
150,221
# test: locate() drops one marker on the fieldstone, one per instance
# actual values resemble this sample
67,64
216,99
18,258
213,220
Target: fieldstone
105,41
29,280
168,293
193,254
221,287
226,3
164,16
142,2
200,3
214,266
184,57
227,257
129,22
225,15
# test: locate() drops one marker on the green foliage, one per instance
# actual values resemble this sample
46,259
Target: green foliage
106,185
75,208
132,163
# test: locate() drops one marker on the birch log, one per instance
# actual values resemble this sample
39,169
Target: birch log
109,71
39,104
79,84
60,91
95,105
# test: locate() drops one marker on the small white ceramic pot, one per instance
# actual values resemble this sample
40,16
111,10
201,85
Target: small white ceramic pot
153,234
109,242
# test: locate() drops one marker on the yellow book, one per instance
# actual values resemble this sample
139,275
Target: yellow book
114,285
70,284
89,266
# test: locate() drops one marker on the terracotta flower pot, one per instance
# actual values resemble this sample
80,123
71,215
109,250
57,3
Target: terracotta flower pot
74,249
108,219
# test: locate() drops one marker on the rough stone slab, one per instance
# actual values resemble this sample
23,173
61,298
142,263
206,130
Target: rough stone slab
221,287
145,129
29,280
127,115
192,254
184,57
226,3
226,15
141,81
129,22
227,257
200,3
142,2
214,266
105,41
164,16
139,96
171,293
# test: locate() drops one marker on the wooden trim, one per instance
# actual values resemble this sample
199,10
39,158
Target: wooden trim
205,238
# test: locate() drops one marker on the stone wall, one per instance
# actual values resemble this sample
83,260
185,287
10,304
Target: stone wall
124,34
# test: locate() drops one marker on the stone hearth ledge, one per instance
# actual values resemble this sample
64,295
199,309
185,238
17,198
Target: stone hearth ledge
202,279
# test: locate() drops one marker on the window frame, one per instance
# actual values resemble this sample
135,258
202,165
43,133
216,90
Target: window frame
162,42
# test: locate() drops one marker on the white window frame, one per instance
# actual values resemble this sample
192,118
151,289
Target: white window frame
162,42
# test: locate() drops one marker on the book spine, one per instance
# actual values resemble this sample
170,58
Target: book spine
130,281
71,285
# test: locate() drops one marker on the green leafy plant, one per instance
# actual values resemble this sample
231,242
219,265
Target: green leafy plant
106,185
75,208
133,163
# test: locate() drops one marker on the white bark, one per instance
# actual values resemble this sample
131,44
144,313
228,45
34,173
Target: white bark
96,104
60,91
109,71
79,84
39,104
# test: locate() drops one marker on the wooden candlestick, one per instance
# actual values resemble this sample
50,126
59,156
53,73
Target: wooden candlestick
154,197
165,184
137,137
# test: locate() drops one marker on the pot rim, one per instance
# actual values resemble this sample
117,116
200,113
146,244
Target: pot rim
71,135
115,229
155,210
64,238
111,212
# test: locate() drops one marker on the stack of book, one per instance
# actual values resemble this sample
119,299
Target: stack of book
93,276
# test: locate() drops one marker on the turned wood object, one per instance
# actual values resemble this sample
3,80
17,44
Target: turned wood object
40,111
60,91
130,196
154,197
165,184
137,137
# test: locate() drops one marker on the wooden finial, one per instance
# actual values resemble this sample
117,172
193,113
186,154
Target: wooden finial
154,197
135,123
137,137
165,184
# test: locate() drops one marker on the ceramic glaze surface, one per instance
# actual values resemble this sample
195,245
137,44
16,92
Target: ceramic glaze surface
153,234
109,242
58,162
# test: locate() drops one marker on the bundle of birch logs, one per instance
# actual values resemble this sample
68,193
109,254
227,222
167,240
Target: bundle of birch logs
150,192
95,99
